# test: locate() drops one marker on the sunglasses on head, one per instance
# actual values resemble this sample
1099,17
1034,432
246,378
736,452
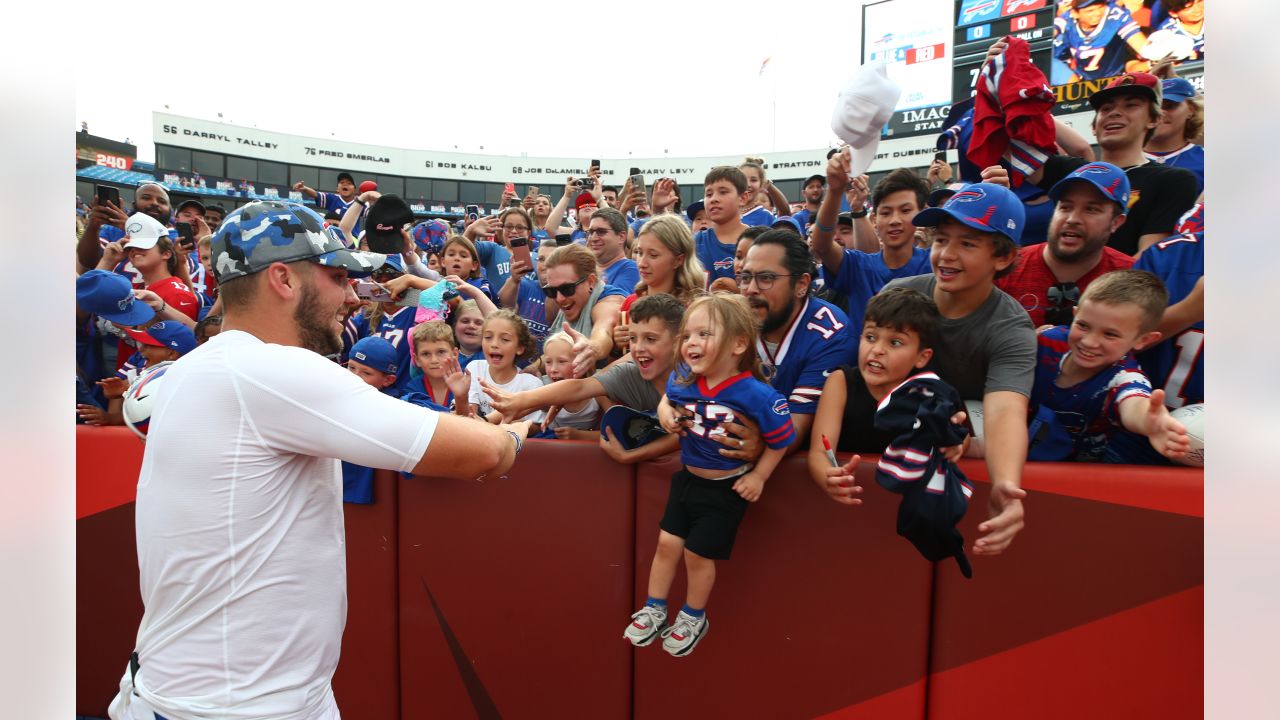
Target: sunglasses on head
1062,298
567,289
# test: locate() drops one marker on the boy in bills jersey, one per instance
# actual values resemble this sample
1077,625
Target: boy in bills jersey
1186,17
1094,38
725,193
1087,376
1176,364
720,380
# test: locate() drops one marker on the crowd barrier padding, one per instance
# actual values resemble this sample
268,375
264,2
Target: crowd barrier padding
514,590
507,597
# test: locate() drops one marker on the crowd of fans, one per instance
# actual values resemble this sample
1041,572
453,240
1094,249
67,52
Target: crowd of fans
1074,342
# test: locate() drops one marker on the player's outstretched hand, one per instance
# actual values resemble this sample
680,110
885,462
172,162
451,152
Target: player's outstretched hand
1006,519
1164,432
749,486
842,485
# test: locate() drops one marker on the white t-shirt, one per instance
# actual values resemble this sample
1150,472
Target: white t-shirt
479,370
241,543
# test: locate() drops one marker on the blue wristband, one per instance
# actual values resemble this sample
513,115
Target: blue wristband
824,228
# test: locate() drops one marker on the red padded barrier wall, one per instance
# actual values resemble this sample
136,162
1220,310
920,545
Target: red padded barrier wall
514,590
508,596
821,608
1096,610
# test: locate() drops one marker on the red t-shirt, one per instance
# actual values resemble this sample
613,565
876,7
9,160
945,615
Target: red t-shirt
1031,278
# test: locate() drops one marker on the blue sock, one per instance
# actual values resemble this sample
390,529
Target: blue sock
695,613
657,602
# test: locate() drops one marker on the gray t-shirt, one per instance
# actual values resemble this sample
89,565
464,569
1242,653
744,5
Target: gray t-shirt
623,384
992,348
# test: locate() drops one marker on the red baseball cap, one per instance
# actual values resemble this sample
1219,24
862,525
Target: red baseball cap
585,198
1141,84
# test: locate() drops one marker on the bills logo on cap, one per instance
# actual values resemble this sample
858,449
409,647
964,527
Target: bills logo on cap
134,227
970,195
1095,168
124,303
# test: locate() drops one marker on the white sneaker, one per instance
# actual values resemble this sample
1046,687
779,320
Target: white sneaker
684,634
645,625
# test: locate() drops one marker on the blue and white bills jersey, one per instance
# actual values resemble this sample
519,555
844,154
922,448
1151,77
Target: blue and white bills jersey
531,304
716,257
741,396
1100,53
495,260
1089,411
1189,157
819,341
332,202
1197,49
1176,364
395,328
758,217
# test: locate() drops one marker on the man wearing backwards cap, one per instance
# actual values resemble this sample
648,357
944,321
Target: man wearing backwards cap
239,517
1126,113
986,345
1049,277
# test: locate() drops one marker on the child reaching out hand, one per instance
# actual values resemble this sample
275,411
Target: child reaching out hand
720,380
505,339
574,421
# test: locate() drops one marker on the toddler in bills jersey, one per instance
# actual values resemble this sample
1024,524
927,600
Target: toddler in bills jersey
1087,377
1094,39
719,381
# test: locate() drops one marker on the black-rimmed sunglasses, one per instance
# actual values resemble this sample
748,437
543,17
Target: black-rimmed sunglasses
567,289
1062,299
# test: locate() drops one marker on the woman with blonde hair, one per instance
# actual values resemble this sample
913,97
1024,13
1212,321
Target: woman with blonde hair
668,262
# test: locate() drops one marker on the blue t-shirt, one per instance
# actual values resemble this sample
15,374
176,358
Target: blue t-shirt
862,275
716,257
623,274
805,217
1189,157
464,359
495,260
740,396
1101,53
395,328
758,217
1090,410
818,342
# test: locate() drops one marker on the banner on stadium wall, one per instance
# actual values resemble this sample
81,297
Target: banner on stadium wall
230,139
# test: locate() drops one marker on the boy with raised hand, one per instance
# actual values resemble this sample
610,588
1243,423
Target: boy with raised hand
1088,380
858,275
986,345
725,191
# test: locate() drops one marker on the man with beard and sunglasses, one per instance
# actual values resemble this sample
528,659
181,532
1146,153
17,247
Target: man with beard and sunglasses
239,518
801,337
1049,277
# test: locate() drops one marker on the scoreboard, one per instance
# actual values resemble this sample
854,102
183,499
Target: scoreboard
979,23
913,38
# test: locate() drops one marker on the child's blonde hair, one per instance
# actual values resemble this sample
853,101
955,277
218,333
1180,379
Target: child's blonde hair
558,337
1138,287
732,316
524,338
432,331
467,245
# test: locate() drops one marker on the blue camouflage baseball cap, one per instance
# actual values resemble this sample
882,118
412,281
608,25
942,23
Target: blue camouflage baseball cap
110,296
375,352
981,206
270,231
1107,178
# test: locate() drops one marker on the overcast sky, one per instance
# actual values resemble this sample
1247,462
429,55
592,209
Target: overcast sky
543,78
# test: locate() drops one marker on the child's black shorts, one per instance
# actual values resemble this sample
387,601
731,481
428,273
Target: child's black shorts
706,513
